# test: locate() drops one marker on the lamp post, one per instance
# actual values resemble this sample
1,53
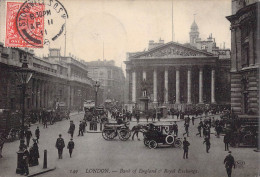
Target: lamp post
24,74
96,86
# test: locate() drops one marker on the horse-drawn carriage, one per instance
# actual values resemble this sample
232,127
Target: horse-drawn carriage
160,134
111,130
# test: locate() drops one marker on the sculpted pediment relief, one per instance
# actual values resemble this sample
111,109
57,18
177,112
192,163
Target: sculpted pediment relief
172,50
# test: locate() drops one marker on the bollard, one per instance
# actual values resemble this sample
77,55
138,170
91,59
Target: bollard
45,159
100,126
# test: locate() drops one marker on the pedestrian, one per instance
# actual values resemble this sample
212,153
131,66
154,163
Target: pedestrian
2,142
25,162
70,146
207,142
137,116
37,134
192,119
60,144
186,145
218,129
84,125
226,140
210,122
175,128
136,130
147,116
80,129
199,130
34,154
186,125
229,163
44,119
71,129
28,135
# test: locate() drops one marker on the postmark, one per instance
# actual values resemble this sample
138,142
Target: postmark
34,23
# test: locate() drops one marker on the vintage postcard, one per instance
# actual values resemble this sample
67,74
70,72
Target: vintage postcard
129,88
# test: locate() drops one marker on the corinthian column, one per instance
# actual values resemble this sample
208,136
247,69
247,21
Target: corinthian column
177,85
213,86
201,85
155,85
189,86
166,87
134,87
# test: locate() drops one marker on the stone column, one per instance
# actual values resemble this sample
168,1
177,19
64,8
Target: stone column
177,85
127,99
189,86
233,50
144,74
201,85
213,86
155,85
134,86
166,86
37,103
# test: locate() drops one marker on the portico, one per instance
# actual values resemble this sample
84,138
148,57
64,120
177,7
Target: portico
175,74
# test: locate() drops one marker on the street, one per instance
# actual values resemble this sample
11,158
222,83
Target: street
94,156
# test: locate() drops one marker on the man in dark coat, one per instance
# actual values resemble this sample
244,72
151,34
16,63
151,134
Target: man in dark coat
37,134
207,141
71,129
71,146
229,163
81,127
175,128
226,141
28,135
192,119
186,125
60,144
186,145
199,130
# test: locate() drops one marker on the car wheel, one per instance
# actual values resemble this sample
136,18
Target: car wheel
169,139
153,144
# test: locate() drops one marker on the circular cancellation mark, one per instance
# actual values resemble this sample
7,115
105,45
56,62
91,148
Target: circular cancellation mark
39,22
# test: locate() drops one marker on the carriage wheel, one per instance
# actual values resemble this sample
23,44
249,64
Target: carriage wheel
108,134
178,143
153,144
146,142
124,134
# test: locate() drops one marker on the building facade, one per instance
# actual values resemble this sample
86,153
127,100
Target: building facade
55,79
178,75
245,57
111,78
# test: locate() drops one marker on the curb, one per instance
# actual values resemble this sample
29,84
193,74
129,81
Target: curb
42,172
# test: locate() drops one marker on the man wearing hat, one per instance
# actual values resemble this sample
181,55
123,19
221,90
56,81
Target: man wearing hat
37,134
71,129
70,146
60,145
28,135
186,145
229,163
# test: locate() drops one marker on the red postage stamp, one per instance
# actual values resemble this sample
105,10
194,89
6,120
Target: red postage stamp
24,24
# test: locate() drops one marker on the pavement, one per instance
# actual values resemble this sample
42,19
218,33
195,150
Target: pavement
95,157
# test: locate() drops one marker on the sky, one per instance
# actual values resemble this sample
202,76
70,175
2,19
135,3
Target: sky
128,25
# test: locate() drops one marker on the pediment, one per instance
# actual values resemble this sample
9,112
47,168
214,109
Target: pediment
172,50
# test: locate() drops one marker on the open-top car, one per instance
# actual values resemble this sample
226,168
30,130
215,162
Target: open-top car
160,134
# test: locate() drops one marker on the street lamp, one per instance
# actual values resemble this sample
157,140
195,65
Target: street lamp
24,74
96,86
